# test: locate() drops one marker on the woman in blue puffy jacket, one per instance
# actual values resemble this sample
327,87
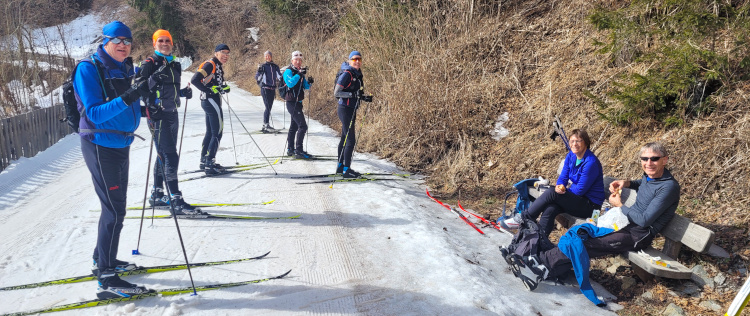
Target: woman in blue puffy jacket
583,171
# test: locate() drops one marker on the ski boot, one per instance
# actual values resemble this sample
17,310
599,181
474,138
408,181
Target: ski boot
203,163
340,169
111,286
180,207
120,266
212,167
290,152
349,173
158,198
301,154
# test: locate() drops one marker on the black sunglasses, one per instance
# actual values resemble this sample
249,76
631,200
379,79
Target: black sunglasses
116,40
655,158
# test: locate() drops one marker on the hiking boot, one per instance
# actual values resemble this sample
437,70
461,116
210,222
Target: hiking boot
180,207
120,266
158,198
111,286
289,152
349,173
529,269
511,222
301,154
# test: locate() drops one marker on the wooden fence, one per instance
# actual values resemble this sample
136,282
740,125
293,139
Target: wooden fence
28,134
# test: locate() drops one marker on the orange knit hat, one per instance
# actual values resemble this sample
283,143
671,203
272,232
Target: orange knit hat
160,33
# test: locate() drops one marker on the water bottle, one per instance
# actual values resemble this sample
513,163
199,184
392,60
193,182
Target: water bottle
595,215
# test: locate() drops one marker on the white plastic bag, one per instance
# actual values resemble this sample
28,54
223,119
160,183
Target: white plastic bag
614,218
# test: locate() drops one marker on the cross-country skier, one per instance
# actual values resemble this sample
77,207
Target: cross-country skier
294,78
110,113
162,105
350,91
209,79
268,78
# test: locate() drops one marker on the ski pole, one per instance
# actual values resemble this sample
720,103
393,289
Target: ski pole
251,135
184,115
176,224
307,120
145,192
234,146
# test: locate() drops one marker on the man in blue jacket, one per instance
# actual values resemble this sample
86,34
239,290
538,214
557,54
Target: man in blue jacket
110,113
655,206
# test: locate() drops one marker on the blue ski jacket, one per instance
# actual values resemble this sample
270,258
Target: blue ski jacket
587,178
292,78
350,80
99,102
571,244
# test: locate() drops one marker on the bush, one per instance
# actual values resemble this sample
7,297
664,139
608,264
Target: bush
671,49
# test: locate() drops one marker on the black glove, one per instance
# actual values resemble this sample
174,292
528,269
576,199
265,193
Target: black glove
160,75
303,71
224,89
155,111
186,92
143,112
260,68
366,98
310,80
137,90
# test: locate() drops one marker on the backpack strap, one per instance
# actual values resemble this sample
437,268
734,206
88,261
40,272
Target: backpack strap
207,77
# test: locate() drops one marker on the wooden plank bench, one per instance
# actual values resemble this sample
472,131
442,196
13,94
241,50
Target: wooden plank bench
680,231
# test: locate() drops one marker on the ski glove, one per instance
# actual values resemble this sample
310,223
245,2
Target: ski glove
224,89
303,71
260,68
137,90
366,98
186,93
160,75
155,110
143,111
215,89
310,80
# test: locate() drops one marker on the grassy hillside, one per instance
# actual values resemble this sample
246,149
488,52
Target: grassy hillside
442,72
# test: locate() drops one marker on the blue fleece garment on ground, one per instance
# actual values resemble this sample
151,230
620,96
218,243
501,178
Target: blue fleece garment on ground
571,244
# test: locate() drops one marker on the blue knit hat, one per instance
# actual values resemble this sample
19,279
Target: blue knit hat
354,53
115,29
221,47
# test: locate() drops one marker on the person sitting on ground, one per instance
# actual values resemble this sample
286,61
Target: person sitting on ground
654,207
585,194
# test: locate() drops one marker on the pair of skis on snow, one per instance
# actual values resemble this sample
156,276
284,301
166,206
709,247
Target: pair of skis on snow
466,220
230,170
139,271
207,215
365,177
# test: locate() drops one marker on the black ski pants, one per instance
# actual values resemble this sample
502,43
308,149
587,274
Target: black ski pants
630,238
550,204
109,172
348,117
298,126
165,139
268,96
214,126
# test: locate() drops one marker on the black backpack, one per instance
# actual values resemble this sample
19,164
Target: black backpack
283,89
529,240
72,116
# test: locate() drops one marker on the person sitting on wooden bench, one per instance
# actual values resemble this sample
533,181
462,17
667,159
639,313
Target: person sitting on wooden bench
655,205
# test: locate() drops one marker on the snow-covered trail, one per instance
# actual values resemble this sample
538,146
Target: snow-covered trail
373,248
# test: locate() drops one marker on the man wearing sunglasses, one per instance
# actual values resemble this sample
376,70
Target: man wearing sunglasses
163,73
654,207
110,112
349,91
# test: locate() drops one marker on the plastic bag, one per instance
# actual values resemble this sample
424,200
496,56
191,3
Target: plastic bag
614,218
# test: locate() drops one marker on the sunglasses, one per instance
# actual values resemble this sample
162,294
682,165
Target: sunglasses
163,41
116,40
654,159
356,59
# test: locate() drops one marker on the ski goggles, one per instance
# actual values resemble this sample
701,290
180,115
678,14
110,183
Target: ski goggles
117,40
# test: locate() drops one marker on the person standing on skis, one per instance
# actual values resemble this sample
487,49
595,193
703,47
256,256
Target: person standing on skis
110,110
349,90
294,78
268,78
161,106
209,79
